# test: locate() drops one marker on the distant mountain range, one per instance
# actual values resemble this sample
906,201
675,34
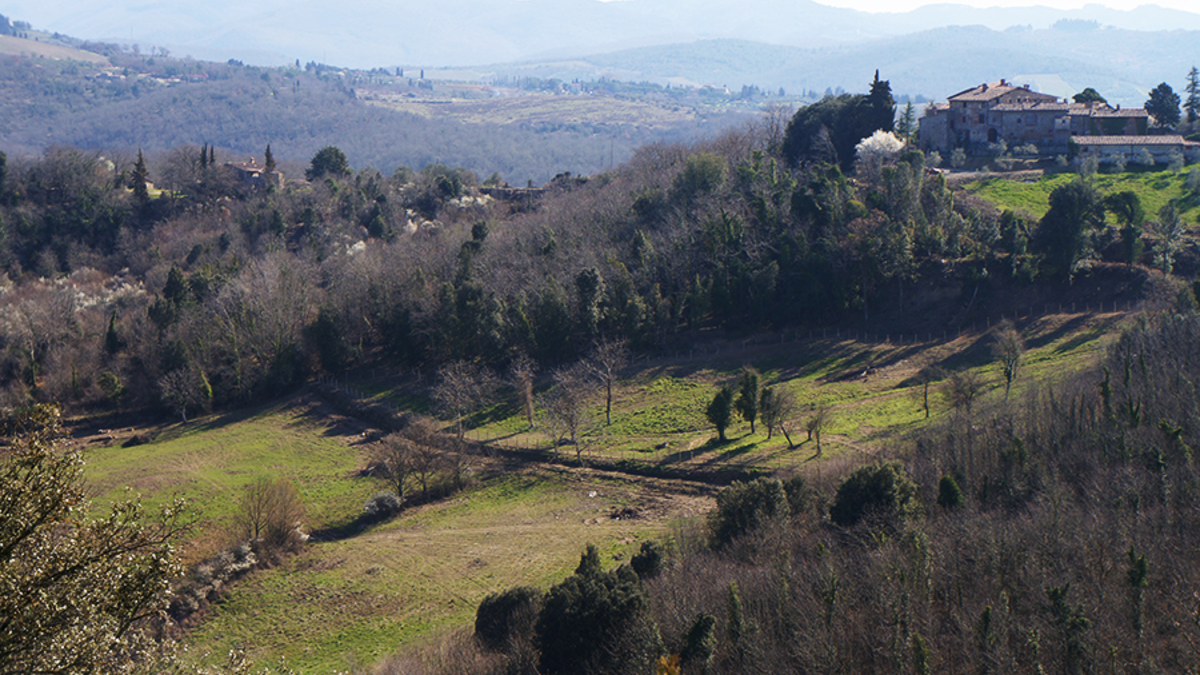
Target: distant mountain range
795,44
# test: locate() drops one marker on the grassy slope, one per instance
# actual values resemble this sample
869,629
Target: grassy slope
14,46
658,414
351,602
1155,188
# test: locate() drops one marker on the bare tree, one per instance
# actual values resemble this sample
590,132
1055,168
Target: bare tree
961,389
394,462
185,389
462,388
605,362
818,423
520,377
271,515
565,404
777,407
1009,349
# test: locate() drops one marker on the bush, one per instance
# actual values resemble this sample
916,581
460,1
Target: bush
949,494
881,490
649,561
742,507
598,622
502,618
382,505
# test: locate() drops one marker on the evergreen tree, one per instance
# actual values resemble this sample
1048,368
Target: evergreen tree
883,106
204,156
720,411
1163,105
749,392
1192,104
138,181
906,128
269,161
1089,95
112,341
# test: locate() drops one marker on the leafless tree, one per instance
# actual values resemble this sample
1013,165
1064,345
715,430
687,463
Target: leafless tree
271,515
1009,349
394,460
605,363
816,424
185,389
565,404
961,390
462,388
777,408
520,377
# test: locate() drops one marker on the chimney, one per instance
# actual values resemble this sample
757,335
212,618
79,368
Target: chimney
1026,86
1003,82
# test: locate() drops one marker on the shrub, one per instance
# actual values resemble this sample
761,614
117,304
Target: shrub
649,561
742,507
949,494
597,623
382,505
882,490
504,617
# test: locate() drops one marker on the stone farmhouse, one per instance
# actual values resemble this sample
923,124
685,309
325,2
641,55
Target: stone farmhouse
252,174
990,113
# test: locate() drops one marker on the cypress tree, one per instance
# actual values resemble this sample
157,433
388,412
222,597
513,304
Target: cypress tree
139,179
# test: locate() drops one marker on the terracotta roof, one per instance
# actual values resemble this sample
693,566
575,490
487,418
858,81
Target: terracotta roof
990,92
1129,140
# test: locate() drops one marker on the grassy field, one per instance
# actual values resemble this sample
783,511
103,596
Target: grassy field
14,46
1155,188
344,604
350,603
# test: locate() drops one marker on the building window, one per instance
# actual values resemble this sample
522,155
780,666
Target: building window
982,118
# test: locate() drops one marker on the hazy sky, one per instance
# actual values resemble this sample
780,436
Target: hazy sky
905,5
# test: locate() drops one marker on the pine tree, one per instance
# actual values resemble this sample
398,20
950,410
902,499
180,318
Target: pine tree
1192,104
139,180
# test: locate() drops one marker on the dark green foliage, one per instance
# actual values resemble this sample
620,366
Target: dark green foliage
1065,234
950,496
326,334
827,131
597,622
749,393
589,562
649,561
329,161
742,507
503,617
112,341
700,643
1191,104
1127,207
1089,95
139,179
1072,625
878,491
720,411
1163,106
799,495
703,173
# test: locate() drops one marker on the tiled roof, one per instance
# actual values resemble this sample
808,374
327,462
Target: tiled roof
1120,112
1039,106
1129,140
990,92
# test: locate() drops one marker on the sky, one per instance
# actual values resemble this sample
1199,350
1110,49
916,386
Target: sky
906,5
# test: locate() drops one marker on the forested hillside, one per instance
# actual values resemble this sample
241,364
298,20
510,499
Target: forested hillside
156,103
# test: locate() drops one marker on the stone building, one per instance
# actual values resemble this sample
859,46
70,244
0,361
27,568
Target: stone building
986,114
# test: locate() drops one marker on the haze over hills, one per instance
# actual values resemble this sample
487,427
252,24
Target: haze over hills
469,32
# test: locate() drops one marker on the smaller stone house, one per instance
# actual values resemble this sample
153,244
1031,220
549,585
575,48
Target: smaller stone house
252,174
1107,149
